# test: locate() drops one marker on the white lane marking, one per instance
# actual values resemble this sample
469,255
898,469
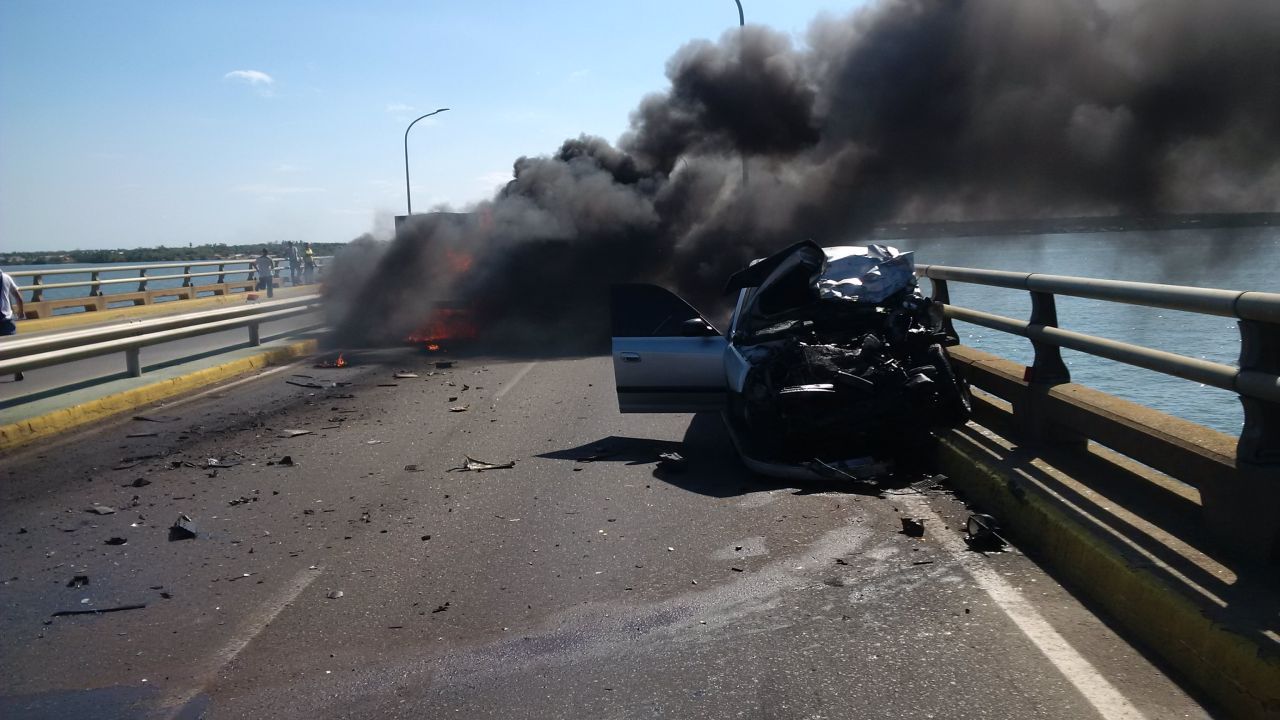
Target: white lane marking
257,622
512,382
1080,672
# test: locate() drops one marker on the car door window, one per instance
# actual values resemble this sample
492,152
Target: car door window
638,310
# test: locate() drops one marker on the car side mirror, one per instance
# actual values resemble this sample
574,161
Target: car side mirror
696,327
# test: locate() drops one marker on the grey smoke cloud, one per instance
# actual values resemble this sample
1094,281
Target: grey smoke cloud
907,110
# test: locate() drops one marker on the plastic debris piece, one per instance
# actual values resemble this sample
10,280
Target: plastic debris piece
184,528
314,385
220,463
441,608
142,435
474,465
78,581
405,375
334,594
913,527
374,442
97,509
99,611
287,460
412,468
459,408
115,541
290,433
981,533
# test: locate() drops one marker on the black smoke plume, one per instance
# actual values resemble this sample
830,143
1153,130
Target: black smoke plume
909,110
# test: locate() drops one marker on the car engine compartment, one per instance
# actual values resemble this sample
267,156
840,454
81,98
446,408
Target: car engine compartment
845,382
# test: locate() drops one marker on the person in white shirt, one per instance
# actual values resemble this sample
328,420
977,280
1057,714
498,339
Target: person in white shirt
9,295
265,268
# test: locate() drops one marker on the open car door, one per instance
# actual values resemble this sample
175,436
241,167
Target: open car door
666,356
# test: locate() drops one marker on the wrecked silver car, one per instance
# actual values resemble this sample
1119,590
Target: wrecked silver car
833,365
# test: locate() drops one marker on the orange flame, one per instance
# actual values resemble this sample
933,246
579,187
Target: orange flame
340,362
433,347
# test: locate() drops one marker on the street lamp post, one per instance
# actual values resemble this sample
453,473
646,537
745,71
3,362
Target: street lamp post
408,194
742,52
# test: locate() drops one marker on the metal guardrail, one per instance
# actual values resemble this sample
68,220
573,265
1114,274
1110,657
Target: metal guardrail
96,283
1256,380
29,354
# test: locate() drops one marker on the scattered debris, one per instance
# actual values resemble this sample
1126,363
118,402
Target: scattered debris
388,385
291,433
443,364
287,460
139,482
78,581
404,375
922,562
142,435
64,613
156,418
243,500
374,442
115,541
334,594
981,534
97,509
184,528
339,362
459,408
442,608
412,468
474,465
672,462
314,385
220,463
841,561
913,527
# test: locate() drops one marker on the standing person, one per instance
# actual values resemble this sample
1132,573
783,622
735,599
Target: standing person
265,267
9,295
309,262
291,252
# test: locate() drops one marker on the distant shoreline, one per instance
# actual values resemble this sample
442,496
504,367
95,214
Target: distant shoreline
1084,224
162,254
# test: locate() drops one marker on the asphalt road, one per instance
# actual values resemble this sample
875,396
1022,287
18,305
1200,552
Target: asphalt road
353,585
84,373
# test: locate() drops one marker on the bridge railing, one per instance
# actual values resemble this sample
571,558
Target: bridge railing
96,299
25,354
1048,408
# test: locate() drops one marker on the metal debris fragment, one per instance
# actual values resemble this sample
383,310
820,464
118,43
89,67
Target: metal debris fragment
474,465
913,527
334,594
459,408
97,509
78,581
64,613
184,528
115,541
156,418
405,375
981,533
291,433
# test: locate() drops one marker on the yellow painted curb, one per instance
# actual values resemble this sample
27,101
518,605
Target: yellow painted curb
174,307
1242,675
15,435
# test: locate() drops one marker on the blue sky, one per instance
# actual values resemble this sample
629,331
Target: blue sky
144,123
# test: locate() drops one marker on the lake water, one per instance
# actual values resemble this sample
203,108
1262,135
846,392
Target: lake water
234,273
1237,259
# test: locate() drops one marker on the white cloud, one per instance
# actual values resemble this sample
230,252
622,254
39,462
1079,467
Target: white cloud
253,77
268,189
286,168
579,74
495,178
398,107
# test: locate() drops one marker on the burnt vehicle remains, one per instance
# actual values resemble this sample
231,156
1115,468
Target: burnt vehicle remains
834,365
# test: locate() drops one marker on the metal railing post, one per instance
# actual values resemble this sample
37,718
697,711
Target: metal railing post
142,282
186,281
222,273
1260,352
942,296
95,289
255,334
1047,368
38,291
133,362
